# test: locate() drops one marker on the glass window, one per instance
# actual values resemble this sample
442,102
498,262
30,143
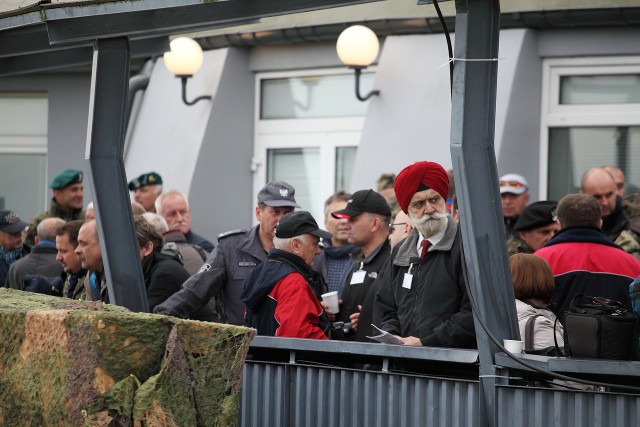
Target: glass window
573,150
600,89
345,159
300,168
23,153
313,96
27,198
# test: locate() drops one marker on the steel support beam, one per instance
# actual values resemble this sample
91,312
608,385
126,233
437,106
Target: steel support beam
105,148
475,169
154,17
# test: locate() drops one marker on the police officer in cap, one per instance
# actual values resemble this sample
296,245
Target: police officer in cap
66,202
237,254
535,227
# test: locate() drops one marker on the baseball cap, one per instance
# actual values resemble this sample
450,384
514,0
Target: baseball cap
10,223
513,183
298,223
145,179
66,178
364,201
277,194
536,215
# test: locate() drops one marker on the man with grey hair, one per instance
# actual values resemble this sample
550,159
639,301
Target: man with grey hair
237,254
279,294
582,259
174,208
42,259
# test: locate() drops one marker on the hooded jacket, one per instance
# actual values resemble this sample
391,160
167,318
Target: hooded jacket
280,300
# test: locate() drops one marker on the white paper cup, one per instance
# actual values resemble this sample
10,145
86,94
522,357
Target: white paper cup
331,298
514,346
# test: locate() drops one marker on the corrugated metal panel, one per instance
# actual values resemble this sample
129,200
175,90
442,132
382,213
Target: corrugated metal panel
298,395
528,406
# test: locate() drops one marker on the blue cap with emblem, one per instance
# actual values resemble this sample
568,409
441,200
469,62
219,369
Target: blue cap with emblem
277,194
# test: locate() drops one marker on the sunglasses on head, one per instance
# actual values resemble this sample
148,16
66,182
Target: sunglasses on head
515,184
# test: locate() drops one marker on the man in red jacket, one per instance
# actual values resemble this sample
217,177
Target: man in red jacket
279,293
582,259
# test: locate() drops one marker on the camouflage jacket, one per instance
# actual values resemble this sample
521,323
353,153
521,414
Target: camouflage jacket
56,210
629,240
515,245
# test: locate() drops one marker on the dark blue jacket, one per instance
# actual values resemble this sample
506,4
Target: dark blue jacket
4,267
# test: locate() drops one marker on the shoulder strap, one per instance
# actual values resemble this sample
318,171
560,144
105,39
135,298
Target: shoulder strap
561,352
528,333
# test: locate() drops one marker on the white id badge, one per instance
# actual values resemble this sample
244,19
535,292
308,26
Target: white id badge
358,277
406,282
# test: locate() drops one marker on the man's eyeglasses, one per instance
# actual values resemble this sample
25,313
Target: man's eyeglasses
515,184
391,229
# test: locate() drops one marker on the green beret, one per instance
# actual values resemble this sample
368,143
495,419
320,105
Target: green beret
66,178
145,179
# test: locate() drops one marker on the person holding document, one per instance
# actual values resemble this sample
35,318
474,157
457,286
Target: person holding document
425,301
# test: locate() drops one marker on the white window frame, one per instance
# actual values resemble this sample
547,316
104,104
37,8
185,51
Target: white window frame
555,114
297,125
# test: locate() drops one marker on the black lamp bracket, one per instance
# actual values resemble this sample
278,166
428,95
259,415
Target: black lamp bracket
184,92
358,71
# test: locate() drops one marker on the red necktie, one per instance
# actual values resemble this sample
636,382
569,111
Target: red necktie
425,247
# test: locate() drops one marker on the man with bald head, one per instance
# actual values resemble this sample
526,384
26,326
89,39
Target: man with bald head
599,183
425,302
90,255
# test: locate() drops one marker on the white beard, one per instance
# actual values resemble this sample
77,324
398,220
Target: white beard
429,225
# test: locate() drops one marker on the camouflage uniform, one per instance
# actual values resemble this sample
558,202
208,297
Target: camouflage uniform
515,245
55,211
629,239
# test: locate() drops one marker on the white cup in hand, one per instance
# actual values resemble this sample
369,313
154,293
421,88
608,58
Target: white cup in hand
331,298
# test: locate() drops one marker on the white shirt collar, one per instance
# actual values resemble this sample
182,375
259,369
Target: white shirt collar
435,239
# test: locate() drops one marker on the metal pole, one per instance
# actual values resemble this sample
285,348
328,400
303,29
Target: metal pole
474,165
104,154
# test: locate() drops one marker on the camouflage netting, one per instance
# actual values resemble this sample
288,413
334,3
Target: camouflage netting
65,362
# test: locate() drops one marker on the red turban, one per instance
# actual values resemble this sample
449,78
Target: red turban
410,179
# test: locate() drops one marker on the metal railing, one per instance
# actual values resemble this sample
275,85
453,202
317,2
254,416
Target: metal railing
295,382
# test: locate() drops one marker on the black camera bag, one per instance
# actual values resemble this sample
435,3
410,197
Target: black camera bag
598,328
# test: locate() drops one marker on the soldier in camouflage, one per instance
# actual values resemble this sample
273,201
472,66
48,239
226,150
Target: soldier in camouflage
66,202
535,227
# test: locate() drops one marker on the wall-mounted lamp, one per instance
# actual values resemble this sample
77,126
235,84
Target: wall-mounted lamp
184,60
357,48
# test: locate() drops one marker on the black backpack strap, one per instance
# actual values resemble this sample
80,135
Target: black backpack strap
528,333
560,351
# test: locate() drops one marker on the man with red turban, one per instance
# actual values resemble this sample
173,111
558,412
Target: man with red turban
425,301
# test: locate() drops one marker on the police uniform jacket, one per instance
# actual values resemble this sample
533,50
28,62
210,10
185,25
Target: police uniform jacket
436,308
237,254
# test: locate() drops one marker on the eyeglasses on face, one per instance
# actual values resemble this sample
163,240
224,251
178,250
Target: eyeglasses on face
397,224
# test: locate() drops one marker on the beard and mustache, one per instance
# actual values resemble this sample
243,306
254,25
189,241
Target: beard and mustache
429,225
